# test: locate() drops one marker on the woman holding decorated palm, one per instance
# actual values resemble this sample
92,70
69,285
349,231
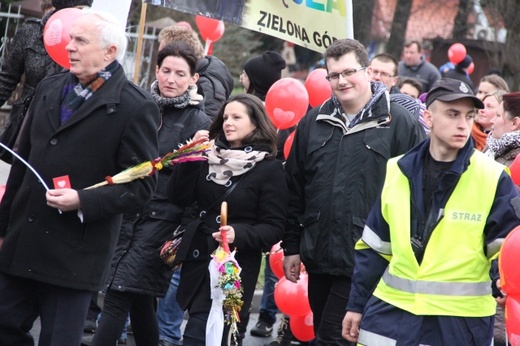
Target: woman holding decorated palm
242,170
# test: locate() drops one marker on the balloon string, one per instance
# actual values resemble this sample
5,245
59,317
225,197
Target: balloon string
27,164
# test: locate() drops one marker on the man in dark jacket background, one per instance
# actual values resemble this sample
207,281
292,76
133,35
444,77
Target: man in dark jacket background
334,172
415,65
56,244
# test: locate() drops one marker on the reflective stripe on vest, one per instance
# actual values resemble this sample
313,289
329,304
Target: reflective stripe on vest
369,338
443,288
375,242
453,277
494,247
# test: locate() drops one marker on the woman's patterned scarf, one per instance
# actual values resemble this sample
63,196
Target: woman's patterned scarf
190,97
506,142
226,163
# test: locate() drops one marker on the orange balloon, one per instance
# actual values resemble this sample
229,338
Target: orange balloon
56,34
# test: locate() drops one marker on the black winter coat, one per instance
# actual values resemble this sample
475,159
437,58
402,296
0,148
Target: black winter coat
136,266
114,129
460,74
216,83
27,55
257,211
334,175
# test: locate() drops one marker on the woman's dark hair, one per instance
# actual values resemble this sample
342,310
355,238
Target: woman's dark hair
179,49
413,82
512,104
265,132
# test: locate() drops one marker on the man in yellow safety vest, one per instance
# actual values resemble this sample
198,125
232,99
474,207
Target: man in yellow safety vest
426,263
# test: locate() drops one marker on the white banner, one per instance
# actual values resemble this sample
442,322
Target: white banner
118,8
309,23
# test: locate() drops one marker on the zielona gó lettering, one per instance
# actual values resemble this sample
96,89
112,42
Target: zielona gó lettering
277,23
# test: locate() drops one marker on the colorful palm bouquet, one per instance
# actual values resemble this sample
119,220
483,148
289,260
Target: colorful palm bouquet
191,151
230,283
226,289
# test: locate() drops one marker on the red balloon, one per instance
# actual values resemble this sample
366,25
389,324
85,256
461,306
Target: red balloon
515,170
292,298
318,87
210,29
471,68
184,24
56,34
508,260
456,53
2,191
276,260
288,144
302,327
286,102
512,317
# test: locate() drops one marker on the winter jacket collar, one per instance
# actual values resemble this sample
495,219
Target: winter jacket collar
412,162
374,114
416,67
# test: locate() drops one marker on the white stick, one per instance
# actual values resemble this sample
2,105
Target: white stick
206,47
25,163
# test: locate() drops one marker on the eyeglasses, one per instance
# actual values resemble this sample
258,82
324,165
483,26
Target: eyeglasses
347,73
381,73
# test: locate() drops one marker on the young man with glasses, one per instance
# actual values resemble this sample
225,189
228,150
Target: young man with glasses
334,172
384,69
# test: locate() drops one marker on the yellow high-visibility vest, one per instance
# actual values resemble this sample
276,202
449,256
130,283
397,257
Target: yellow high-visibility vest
453,277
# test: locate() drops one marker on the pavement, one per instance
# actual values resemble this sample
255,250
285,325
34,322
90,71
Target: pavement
248,341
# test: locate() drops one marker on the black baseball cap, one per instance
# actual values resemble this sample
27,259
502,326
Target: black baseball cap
449,89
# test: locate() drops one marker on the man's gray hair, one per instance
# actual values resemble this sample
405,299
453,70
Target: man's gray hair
111,30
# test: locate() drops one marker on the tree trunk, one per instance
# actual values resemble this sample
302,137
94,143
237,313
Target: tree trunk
363,19
460,27
509,59
398,32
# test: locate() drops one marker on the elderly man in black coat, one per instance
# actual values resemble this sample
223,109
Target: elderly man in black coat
56,245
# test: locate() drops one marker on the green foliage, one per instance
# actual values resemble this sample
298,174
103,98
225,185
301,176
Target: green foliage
235,48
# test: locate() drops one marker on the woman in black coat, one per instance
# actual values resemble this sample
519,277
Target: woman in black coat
243,155
138,274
